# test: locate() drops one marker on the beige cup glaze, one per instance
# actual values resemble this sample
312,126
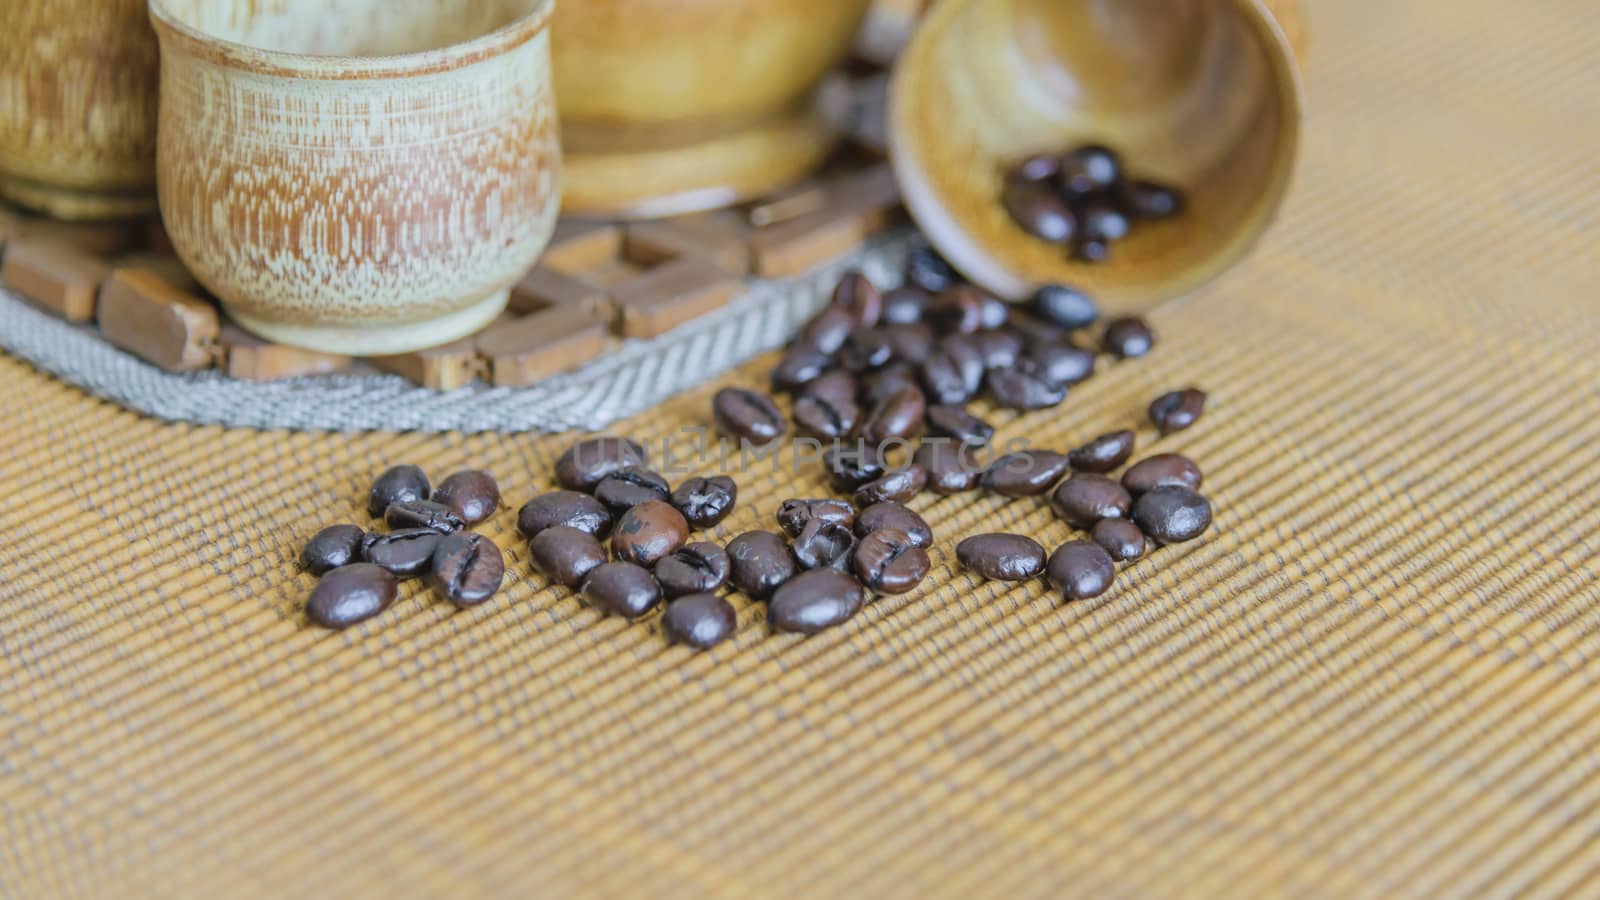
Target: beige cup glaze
368,177
1204,94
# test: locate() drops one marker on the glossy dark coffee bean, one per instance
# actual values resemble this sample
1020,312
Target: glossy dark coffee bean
967,354
566,555
1028,473
1044,167
399,484
1063,306
1002,557
1162,470
1023,388
705,502
897,485
890,380
1121,538
1091,248
1149,200
999,349
1038,210
835,385
905,305
912,342
951,466
928,270
1172,514
1061,364
591,459
1036,331
701,621
1088,170
404,554
956,311
898,416
894,517
993,313
824,544
569,508
858,296
815,601
760,561
959,425
624,489
851,465
1104,221
622,589
1081,569
332,547
648,532
693,568
798,368
866,349
1084,499
423,514
1128,337
825,418
1177,410
468,568
888,562
470,494
795,515
351,594
826,331
943,380
748,415
1104,453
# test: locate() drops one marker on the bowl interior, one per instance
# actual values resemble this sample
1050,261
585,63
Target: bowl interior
347,28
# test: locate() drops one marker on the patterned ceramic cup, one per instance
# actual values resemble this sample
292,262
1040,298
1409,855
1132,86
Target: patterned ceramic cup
363,177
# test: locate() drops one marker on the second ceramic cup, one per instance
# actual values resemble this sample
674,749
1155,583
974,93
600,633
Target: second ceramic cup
368,177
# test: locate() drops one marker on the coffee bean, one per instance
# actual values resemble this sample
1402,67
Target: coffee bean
591,459
849,466
423,514
1066,307
622,589
897,485
332,547
888,381
566,555
896,416
1025,474
826,331
468,568
895,517
1035,331
865,349
351,594
1104,453
624,489
1128,337
814,601
993,313
470,494
760,562
1061,364
748,415
1177,410
944,381
569,508
799,367
405,554
837,386
1081,569
951,467
927,269
905,305
1091,248
705,502
1161,470
693,568
1149,200
648,532
964,351
960,426
860,298
825,418
912,342
701,621
1085,499
1023,388
397,485
1039,211
824,544
956,311
1002,557
1088,170
1044,167
1104,221
1121,538
887,561
1172,514
795,515
999,349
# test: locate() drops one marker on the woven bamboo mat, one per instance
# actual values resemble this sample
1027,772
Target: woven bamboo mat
1375,678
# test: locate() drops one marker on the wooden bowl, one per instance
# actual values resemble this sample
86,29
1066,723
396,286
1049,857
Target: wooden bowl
1204,94
671,106
367,177
78,107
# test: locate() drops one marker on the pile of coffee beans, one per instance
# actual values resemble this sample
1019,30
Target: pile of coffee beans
1082,200
361,570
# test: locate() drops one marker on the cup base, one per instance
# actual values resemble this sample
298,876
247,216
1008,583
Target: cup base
380,340
77,204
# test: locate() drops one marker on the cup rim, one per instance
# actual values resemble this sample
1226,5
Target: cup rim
262,61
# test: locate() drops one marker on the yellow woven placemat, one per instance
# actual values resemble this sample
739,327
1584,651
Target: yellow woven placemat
1375,677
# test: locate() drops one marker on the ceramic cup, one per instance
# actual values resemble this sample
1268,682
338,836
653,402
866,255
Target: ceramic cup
78,107
1203,94
364,177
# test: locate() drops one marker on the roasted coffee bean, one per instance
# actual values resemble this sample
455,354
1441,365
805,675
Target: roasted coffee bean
701,621
956,311
905,305
835,385
898,416
591,459
888,381
895,517
1025,474
1002,557
825,418
470,494
622,589
566,555
1088,170
569,508
705,502
1172,514
423,514
927,270
999,349
1104,221
1091,248
1128,337
896,485
1085,499
1104,453
1036,331
857,295
960,426
824,544
1161,470
826,331
1149,200
624,489
648,532
351,594
1121,538
332,547
693,568
1044,167
1039,211
865,349
1066,307
1081,569
1023,388
795,515
748,415
849,466
1061,364
951,467
399,484
887,561
912,342
968,357
405,554
760,562
944,381
1177,410
798,368
814,601
468,568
